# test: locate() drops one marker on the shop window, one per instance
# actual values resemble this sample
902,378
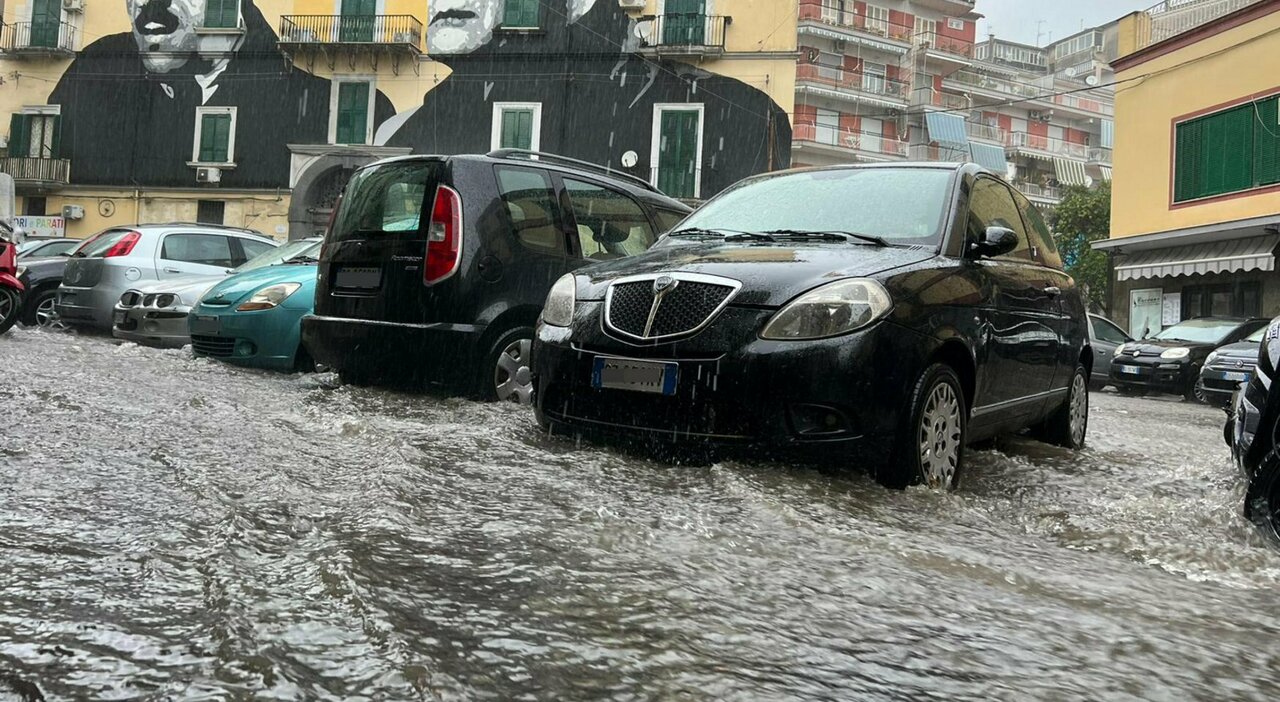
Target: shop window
1243,299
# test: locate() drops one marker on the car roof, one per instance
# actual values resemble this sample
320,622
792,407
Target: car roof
192,225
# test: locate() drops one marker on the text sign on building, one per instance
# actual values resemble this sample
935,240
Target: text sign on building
42,226
1145,308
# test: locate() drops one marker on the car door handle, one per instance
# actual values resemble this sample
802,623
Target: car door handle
1053,291
172,270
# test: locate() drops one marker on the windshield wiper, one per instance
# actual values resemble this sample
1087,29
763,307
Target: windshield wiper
828,235
303,259
700,231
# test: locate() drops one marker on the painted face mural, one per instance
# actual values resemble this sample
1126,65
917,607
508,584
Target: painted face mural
578,8
461,26
165,31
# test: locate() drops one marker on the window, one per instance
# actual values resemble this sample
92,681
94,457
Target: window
1242,299
351,118
955,23
684,22
1038,233
222,14
34,135
1230,151
386,198
517,125
610,224
873,77
991,205
1108,332
827,129
830,66
253,248
357,20
34,206
531,205
215,135
667,219
520,14
210,211
926,31
878,20
677,149
203,249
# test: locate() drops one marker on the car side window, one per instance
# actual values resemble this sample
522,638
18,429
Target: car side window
1038,233
531,206
991,205
610,224
668,219
203,249
1107,331
254,248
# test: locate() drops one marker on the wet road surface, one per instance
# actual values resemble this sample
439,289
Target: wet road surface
172,527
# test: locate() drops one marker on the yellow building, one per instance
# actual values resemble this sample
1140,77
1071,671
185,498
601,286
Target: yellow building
1196,196
254,113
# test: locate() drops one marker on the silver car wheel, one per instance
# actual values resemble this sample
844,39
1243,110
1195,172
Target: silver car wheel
1079,418
512,377
8,304
46,312
940,437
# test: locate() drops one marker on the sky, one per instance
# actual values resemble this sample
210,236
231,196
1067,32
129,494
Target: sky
1022,20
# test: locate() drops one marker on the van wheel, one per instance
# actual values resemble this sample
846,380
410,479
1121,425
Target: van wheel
506,375
1070,422
930,446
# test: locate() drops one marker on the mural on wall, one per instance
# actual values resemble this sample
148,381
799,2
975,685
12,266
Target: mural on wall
596,96
129,101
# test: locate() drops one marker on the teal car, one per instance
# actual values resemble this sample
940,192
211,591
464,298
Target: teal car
254,318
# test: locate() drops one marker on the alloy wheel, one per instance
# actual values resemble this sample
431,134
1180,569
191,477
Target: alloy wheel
46,313
1079,418
8,305
512,377
940,437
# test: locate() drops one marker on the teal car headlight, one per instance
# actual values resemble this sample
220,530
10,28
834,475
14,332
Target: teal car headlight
269,297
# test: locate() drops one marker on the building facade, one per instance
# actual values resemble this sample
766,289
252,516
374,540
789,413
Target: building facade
898,79
1196,198
255,112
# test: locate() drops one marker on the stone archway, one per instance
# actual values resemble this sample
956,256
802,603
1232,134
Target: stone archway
321,173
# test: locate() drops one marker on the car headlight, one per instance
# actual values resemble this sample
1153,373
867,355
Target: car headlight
1213,357
166,300
558,312
1173,354
1119,349
831,310
269,297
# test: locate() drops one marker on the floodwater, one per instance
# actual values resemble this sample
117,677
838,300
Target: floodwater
175,528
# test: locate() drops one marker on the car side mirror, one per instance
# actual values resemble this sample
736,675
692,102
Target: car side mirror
996,241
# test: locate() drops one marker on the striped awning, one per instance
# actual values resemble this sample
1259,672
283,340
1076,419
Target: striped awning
947,129
1106,173
1230,256
989,157
1070,172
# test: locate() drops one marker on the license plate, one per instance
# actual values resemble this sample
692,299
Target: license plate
638,376
1131,370
120,316
358,278
1236,377
204,324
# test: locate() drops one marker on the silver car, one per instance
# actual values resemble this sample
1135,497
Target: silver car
155,313
120,258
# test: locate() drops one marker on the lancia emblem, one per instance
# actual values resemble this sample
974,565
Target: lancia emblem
664,284
1239,364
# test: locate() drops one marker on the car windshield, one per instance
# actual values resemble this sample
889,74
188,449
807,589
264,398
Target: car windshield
1257,336
385,199
277,255
310,254
902,205
1199,331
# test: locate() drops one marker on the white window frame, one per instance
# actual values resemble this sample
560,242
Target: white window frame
495,137
925,29
239,20
334,88
656,140
231,136
877,22
869,78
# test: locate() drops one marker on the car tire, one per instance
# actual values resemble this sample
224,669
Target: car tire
1069,424
929,449
34,316
505,373
10,308
1262,501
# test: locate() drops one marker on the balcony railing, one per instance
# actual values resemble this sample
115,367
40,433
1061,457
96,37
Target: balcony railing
986,132
687,33
37,171
849,139
37,37
1099,154
1046,192
404,31
984,81
1173,17
851,80
815,10
1046,144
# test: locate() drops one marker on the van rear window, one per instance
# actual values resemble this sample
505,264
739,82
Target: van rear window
386,199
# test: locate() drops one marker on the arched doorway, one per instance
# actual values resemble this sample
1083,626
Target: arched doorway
322,172
322,197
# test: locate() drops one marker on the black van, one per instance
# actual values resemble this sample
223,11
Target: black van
435,268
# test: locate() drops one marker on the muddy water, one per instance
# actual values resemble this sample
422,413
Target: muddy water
171,527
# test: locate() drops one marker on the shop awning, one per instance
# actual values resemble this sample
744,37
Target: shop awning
1106,173
1070,172
947,129
1231,256
989,156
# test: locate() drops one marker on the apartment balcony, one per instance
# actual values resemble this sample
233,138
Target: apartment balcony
37,173
1173,17
987,133
998,88
1036,145
840,84
951,8
817,19
686,34
1039,194
1099,156
38,39
838,145
353,36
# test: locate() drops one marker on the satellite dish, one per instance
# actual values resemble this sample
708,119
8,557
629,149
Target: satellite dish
630,159
1073,72
1091,81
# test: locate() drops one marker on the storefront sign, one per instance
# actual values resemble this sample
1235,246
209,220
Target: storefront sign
1172,313
42,226
1145,308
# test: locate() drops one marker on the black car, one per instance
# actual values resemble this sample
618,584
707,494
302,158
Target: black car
1227,368
40,277
47,246
1171,360
1253,429
452,296
890,313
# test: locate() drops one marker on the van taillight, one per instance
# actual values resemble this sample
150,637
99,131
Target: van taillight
124,246
444,236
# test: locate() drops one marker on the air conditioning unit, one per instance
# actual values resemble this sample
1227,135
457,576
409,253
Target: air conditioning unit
73,5
841,45
1037,116
72,212
208,175
632,4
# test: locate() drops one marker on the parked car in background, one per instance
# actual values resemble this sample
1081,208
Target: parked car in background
849,311
254,318
1253,427
1104,336
41,277
1229,367
436,267
155,313
52,246
1170,361
120,258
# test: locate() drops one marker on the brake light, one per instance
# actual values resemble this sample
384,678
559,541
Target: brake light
444,236
124,246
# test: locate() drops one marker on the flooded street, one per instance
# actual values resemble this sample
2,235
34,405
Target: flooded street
173,527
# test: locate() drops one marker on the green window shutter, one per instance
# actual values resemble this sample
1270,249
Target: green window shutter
684,22
56,142
678,153
19,135
221,14
520,13
1187,166
215,138
353,112
1215,155
517,129
1266,143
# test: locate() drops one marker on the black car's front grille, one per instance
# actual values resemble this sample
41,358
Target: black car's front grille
216,346
683,309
